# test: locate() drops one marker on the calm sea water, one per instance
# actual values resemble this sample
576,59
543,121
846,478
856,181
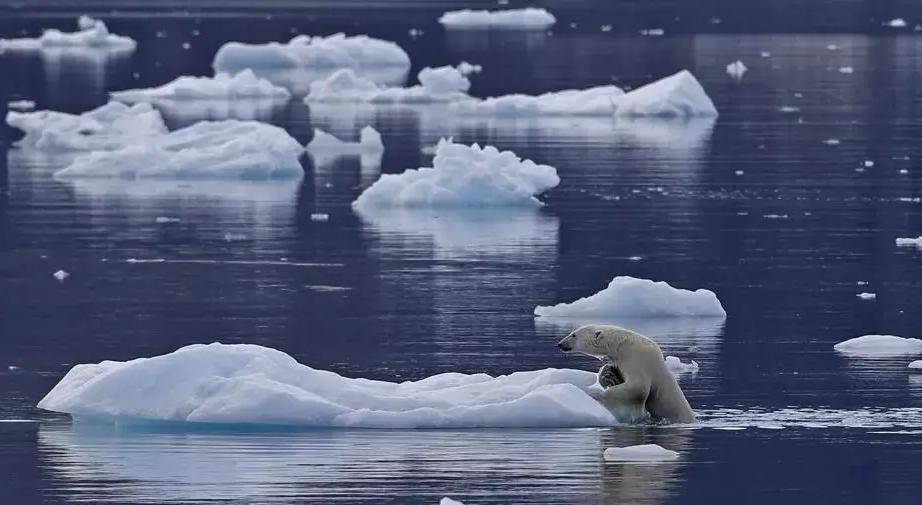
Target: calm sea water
759,206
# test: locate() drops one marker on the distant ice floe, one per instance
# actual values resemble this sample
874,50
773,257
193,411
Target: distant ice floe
679,95
909,242
867,296
596,101
21,105
631,297
60,275
529,18
463,176
675,365
91,34
916,365
879,346
896,23
229,149
325,147
250,384
646,453
448,501
442,84
736,69
244,85
111,126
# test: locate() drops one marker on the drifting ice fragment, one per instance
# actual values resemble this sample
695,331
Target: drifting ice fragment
916,365
867,296
327,145
21,105
879,346
469,68
91,34
675,365
530,18
597,101
909,242
60,275
220,87
639,454
736,69
896,23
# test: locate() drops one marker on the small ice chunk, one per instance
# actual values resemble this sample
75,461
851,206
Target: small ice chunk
868,163
639,454
789,109
738,172
679,95
832,142
415,32
605,28
165,219
220,87
909,242
529,18
904,171
442,84
736,69
21,105
832,47
867,296
879,346
653,32
896,23
448,501
60,275
91,34
320,217
675,365
469,68
324,144
916,365
234,237
765,54
632,297
596,101
846,70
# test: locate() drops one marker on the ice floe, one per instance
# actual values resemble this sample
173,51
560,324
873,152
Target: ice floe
60,275
442,84
250,384
448,501
916,365
645,453
529,18
21,105
867,296
596,101
91,34
325,147
675,365
243,85
879,346
469,68
228,149
463,176
111,126
909,242
736,69
896,23
678,95
631,297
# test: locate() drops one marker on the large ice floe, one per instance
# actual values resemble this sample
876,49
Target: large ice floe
243,85
442,84
631,297
250,384
112,126
463,176
595,101
334,51
678,95
91,34
879,346
529,18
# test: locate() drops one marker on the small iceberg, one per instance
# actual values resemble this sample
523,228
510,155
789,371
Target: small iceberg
21,105
879,346
229,149
679,95
325,147
529,19
255,385
463,176
442,84
112,126
596,101
916,365
646,453
631,297
736,69
244,85
60,275
909,242
91,34
675,365
334,51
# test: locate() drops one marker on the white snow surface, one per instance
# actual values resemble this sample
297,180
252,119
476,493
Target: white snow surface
639,453
463,176
334,51
111,126
91,34
678,95
229,149
326,144
595,101
632,297
916,365
529,18
675,365
244,84
442,84
879,346
250,384
736,69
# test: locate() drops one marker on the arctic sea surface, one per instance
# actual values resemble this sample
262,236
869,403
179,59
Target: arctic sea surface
787,206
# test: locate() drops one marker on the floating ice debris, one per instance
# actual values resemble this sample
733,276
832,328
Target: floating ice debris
862,283
846,70
867,296
909,242
879,346
896,23
675,365
605,28
442,84
639,454
596,101
469,68
765,54
831,142
832,47
714,21
320,217
448,501
635,258
736,69
868,163
229,149
220,87
251,384
529,18
111,126
165,219
324,144
21,105
632,297
679,95
415,32
463,177
334,51
904,171
653,32
234,237
916,365
738,172
91,34
775,216
789,109
60,275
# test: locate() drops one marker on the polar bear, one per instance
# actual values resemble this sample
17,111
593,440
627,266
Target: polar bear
635,379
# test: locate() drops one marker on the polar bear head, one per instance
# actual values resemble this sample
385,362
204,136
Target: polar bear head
599,341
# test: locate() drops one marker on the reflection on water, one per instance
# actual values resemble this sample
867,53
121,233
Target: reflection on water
673,334
180,113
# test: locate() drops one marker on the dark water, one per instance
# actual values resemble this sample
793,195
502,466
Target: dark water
784,244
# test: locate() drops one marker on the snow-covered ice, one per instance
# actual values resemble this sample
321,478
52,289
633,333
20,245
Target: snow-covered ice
675,365
469,68
21,105
325,145
60,275
846,70
639,454
91,34
243,85
909,242
529,18
448,501
596,101
653,32
632,297
229,149
334,51
111,126
879,346
319,217
896,23
867,296
736,69
916,365
250,384
442,84
679,95
463,176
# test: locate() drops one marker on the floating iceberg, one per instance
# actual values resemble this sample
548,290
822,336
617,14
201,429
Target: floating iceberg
639,454
91,34
632,297
463,177
736,69
60,275
909,242
675,365
916,365
334,51
442,84
324,147
243,85
250,384
596,101
111,126
530,18
879,346
228,149
679,95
